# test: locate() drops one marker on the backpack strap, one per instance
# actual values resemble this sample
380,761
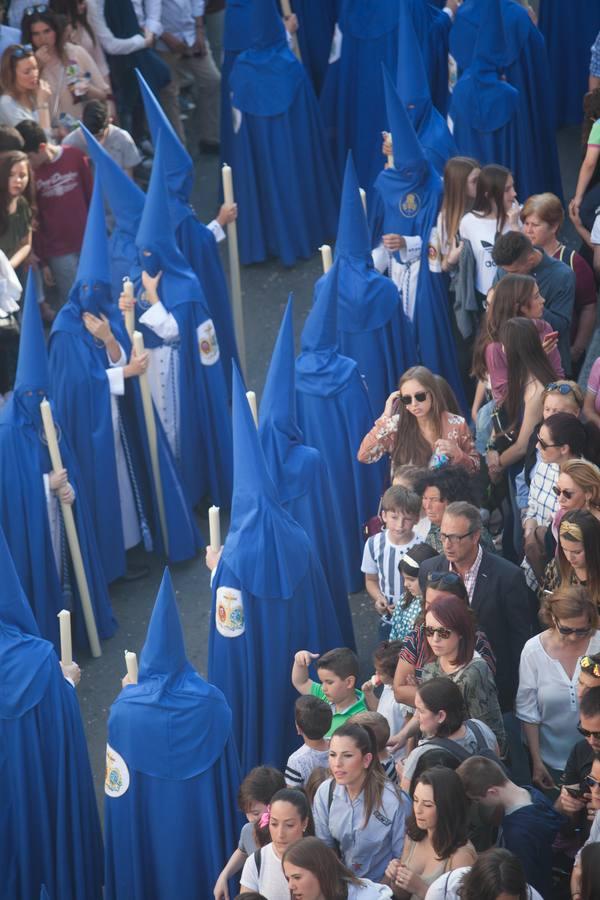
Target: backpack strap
447,744
479,736
257,861
330,794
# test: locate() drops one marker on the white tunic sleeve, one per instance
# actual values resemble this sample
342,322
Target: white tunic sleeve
52,506
217,230
161,322
115,375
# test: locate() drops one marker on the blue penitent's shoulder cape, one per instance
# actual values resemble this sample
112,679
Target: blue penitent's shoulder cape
270,599
406,201
372,327
172,773
195,240
526,69
24,459
569,32
335,413
414,91
484,108
285,183
299,472
205,456
352,101
316,22
48,816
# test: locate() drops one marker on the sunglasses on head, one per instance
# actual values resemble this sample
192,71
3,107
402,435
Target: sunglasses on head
445,579
588,734
565,630
419,397
31,10
592,782
558,491
443,633
561,388
21,51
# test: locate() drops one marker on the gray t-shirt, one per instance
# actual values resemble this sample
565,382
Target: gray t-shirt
467,742
118,144
247,843
302,762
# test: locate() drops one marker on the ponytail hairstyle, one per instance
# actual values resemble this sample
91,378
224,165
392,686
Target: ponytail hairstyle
582,438
375,780
298,799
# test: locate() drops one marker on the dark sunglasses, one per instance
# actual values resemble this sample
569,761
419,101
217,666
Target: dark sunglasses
443,578
592,782
543,444
21,51
558,491
565,630
588,734
31,10
561,388
443,633
420,397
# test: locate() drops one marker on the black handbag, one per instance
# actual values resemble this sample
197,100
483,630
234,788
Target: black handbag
503,436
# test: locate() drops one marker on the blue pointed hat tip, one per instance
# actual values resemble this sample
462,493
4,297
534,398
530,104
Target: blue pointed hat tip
32,364
353,232
278,399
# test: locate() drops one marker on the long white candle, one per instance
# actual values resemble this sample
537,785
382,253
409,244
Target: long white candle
138,346
234,268
363,197
390,157
129,313
214,527
327,257
251,397
132,666
66,648
71,533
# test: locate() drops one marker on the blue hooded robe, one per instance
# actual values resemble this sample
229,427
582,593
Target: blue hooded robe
316,23
81,392
49,825
285,183
335,413
371,326
24,460
484,108
414,91
406,201
352,100
432,27
299,472
270,599
526,68
204,454
197,242
172,773
569,31
236,39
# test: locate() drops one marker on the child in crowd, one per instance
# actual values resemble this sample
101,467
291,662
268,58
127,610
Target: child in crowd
380,727
117,142
63,183
410,607
313,721
386,659
400,512
338,673
254,796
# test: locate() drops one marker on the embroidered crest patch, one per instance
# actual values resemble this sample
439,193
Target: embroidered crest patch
208,344
116,780
229,612
410,204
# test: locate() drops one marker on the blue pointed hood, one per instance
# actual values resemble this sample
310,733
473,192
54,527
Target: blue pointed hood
156,236
353,233
266,27
407,149
163,653
490,47
171,724
177,162
32,366
91,291
412,83
368,19
24,655
265,549
125,198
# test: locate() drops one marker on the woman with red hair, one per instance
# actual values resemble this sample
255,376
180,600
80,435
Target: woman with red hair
450,633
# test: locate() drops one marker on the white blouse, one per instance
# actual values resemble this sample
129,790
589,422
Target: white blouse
546,697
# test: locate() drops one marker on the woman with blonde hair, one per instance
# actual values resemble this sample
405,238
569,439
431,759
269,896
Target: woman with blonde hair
460,187
548,674
416,427
584,490
542,217
24,94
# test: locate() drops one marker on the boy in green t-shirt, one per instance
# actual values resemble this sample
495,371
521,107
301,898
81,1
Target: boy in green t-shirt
338,673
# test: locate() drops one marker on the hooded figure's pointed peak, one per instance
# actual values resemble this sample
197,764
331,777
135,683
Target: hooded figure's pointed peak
125,197
412,83
32,367
490,47
407,149
278,403
155,229
94,262
320,328
163,652
15,611
250,475
353,232
266,27
178,164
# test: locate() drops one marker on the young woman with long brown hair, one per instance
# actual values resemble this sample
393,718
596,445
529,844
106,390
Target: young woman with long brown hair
314,872
461,174
415,425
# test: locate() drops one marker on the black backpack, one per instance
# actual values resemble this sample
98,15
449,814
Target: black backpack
446,752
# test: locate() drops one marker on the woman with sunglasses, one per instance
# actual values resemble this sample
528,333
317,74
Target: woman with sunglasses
584,880
548,674
416,428
450,633
70,71
24,94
